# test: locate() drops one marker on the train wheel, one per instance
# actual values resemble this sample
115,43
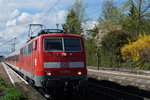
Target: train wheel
50,94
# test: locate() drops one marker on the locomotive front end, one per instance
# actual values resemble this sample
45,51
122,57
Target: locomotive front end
64,62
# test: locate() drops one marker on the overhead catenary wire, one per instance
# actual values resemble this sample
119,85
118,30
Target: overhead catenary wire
44,6
8,41
49,10
52,7
21,35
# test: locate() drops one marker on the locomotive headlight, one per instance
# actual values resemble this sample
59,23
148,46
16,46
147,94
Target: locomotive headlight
79,72
64,54
49,73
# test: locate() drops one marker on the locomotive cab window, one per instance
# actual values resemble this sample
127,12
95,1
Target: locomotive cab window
66,44
72,44
53,44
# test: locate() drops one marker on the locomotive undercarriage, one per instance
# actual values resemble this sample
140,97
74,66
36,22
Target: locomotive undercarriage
63,87
66,87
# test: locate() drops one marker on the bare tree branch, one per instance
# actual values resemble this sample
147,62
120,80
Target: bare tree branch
146,9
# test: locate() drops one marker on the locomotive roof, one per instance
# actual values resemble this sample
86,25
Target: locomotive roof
60,35
50,31
55,32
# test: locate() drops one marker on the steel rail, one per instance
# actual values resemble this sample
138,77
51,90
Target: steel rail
115,90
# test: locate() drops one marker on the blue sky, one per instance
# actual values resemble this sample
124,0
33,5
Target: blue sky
15,15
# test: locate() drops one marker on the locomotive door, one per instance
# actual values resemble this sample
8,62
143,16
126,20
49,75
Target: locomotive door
34,59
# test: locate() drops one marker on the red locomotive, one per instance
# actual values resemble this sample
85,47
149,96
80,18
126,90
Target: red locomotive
52,60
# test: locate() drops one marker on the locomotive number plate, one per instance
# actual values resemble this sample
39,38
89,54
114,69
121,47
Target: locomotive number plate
64,64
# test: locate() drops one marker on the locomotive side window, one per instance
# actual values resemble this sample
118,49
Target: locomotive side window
72,44
21,51
25,49
53,44
30,48
35,45
17,58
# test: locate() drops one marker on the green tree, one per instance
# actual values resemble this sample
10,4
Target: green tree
90,52
109,11
129,22
110,48
111,16
140,10
75,18
109,21
132,11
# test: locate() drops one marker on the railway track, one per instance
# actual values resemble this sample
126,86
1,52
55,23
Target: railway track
114,93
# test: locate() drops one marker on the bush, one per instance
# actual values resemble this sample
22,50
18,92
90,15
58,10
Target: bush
145,59
130,64
110,48
138,51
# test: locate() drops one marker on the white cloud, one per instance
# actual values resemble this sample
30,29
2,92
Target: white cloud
61,15
24,18
53,18
28,4
16,26
89,25
11,23
13,20
15,13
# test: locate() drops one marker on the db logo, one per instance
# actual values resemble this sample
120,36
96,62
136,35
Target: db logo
64,65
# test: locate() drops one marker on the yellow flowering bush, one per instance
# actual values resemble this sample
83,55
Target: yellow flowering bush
134,50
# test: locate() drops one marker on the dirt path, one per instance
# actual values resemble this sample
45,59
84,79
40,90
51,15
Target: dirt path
4,76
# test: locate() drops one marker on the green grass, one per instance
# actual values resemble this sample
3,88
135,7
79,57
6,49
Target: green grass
11,92
2,83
